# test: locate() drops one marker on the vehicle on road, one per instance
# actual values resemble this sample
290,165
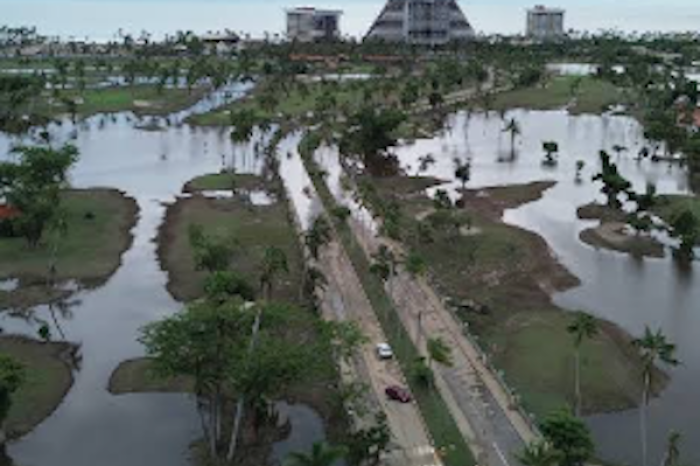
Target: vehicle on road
384,351
400,394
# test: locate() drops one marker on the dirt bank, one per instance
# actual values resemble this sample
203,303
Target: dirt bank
614,236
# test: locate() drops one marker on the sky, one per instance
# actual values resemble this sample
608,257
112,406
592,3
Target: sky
100,19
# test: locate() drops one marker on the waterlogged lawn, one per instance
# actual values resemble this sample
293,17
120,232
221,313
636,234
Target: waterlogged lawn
98,232
593,96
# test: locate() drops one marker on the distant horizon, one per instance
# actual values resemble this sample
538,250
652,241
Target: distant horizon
101,19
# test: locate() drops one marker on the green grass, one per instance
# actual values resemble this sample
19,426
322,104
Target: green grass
224,182
672,205
91,248
593,96
440,423
48,379
254,228
121,99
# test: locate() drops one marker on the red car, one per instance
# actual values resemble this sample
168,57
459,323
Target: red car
400,394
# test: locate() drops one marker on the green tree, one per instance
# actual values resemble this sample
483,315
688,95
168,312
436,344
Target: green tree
33,186
318,236
686,227
366,446
540,453
551,149
440,352
673,450
321,454
463,172
569,436
613,183
653,348
211,253
584,327
12,376
273,264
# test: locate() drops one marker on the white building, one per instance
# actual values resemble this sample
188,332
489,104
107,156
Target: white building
545,23
422,22
310,24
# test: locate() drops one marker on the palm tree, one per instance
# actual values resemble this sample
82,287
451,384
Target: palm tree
673,450
539,453
653,347
322,454
513,127
463,172
584,327
439,352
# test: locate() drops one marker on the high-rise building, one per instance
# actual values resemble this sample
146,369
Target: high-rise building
310,24
545,23
422,22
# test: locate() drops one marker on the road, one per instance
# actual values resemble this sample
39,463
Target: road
477,400
344,300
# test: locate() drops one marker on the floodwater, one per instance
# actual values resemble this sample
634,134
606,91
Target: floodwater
629,292
92,427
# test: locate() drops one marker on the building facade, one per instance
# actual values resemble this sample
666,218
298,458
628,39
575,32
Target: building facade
545,23
421,22
310,24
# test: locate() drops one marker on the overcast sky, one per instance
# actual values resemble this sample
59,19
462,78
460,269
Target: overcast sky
101,18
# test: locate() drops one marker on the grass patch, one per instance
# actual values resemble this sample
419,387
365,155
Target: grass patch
225,182
99,231
48,380
441,425
593,96
143,100
669,207
136,376
255,228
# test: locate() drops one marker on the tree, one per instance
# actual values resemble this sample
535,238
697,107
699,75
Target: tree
513,128
33,187
366,446
230,349
551,149
321,454
673,450
569,436
370,133
584,327
211,253
12,376
463,172
439,352
686,227
653,348
318,236
580,165
613,183
415,265
540,453
274,262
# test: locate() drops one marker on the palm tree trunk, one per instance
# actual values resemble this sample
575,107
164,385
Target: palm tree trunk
643,417
577,376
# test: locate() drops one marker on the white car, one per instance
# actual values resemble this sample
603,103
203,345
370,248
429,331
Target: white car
384,351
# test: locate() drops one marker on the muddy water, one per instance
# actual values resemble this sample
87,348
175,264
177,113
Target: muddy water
92,427
629,292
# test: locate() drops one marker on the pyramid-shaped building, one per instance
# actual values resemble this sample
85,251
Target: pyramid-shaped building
422,22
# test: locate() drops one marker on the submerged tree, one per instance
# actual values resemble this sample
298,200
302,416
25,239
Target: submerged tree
614,184
551,149
513,128
463,172
686,227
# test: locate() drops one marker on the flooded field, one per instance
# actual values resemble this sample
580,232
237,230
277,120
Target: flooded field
94,427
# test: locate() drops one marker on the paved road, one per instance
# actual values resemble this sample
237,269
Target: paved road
478,402
345,300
